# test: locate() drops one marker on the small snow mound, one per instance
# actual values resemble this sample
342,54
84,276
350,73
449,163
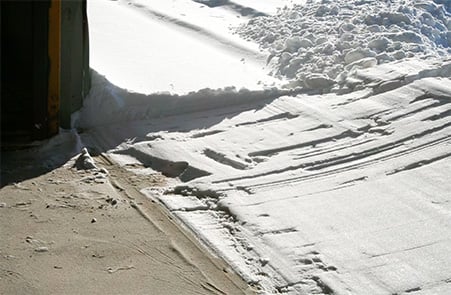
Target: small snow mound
85,161
331,38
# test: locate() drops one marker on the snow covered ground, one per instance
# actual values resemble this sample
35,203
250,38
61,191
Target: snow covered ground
329,177
171,46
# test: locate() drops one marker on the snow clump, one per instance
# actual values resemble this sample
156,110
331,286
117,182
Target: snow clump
318,44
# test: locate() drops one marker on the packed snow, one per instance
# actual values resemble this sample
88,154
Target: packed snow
331,176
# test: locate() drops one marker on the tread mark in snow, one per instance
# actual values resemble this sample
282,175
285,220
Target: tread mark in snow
285,115
419,164
223,159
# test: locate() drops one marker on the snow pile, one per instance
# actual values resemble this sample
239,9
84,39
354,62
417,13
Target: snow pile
85,161
318,44
108,103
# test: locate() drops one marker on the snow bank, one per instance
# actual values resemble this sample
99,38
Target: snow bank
108,103
318,44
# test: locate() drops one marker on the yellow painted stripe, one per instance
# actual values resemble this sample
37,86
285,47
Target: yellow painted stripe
54,51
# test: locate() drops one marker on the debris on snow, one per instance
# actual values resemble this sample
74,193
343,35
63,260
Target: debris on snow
41,249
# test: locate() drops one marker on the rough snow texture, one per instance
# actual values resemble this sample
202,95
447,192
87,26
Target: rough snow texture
314,194
317,44
336,193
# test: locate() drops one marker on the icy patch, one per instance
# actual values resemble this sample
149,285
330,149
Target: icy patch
317,45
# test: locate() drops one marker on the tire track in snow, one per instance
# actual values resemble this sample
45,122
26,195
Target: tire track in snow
350,157
328,162
418,164
439,109
241,9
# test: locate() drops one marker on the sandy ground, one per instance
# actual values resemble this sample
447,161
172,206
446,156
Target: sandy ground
73,231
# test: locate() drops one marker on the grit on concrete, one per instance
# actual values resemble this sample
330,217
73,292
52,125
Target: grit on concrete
73,231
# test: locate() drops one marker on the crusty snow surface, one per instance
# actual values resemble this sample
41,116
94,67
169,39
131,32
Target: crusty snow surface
332,176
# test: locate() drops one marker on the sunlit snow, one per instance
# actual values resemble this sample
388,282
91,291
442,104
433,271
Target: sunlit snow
314,156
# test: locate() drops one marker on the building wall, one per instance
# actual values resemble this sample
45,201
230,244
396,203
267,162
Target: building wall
44,66
75,78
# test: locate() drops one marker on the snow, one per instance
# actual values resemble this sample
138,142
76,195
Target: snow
45,154
155,56
328,37
336,183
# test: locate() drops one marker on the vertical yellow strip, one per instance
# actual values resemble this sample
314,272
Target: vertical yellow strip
54,52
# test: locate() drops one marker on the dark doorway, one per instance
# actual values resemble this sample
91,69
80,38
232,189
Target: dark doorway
24,70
